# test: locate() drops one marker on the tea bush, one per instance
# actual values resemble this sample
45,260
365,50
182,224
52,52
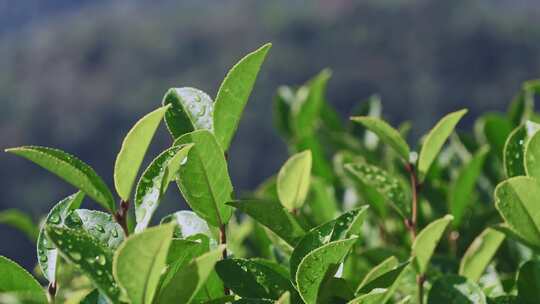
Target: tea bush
355,215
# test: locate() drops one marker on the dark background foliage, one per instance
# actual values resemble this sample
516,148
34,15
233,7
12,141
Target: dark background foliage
77,74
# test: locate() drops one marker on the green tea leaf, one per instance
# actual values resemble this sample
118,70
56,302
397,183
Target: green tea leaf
527,282
387,185
388,280
382,268
191,109
386,133
233,95
139,262
191,278
46,251
462,188
493,129
204,180
155,181
273,216
479,254
516,199
21,221
425,243
346,225
251,279
310,101
513,156
293,180
435,140
455,289
133,150
15,279
187,223
70,169
319,263
98,224
532,156
94,297
94,259
376,296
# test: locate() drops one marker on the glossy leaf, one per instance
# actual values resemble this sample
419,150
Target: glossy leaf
293,180
191,109
187,223
388,280
155,181
94,259
70,169
435,140
233,95
479,254
16,280
139,262
251,279
46,251
516,199
386,133
462,189
317,264
513,156
527,282
532,156
273,216
20,221
191,278
385,184
455,289
98,224
204,179
346,225
376,296
425,243
133,150
380,269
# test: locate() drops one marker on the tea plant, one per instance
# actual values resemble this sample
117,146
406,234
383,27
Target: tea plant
355,215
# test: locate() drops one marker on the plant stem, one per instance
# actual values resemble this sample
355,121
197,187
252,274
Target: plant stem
413,221
52,291
223,241
121,216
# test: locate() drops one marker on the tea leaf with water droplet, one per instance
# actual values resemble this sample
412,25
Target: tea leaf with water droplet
155,181
345,225
425,243
70,169
386,133
89,254
435,140
462,188
293,180
513,155
16,280
532,156
516,199
46,251
98,224
133,150
479,254
233,95
317,265
191,109
191,277
527,282
20,221
204,179
455,289
273,216
140,261
251,279
384,183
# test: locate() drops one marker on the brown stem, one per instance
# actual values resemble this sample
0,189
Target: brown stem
121,216
52,291
411,223
420,279
223,241
452,242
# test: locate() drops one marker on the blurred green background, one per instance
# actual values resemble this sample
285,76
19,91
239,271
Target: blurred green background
77,74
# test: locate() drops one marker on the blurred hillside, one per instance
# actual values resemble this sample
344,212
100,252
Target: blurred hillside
77,74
